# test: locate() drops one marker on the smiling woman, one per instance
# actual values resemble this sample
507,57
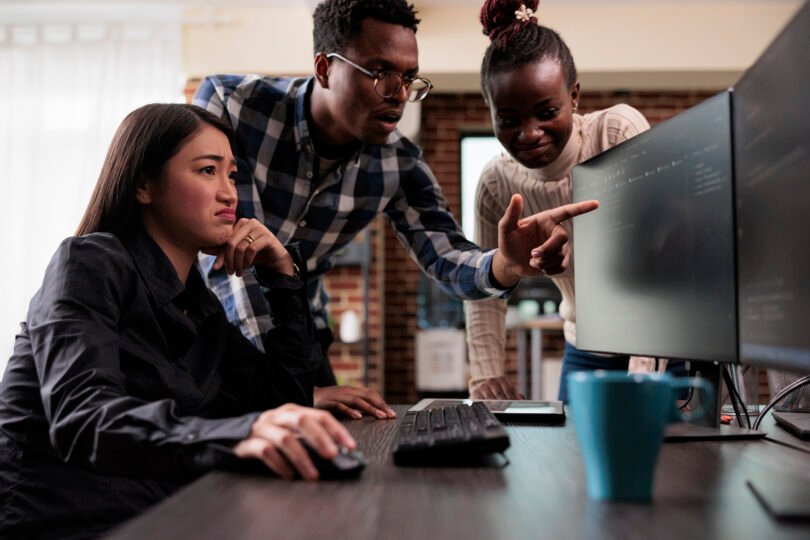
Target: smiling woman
529,81
127,377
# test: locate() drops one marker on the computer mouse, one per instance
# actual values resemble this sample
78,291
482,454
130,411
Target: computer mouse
346,464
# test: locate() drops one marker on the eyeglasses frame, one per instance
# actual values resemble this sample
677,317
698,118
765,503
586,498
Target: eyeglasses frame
379,76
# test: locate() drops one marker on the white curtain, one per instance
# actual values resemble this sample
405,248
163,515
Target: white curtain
68,76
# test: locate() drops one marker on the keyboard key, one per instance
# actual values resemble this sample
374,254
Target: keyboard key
485,415
409,423
437,420
422,421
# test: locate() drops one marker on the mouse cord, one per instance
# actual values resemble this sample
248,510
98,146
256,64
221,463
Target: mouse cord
795,385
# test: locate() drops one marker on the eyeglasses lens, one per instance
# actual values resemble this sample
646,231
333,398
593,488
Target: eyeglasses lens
391,82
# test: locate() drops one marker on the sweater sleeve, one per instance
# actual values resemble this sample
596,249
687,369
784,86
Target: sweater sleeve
486,328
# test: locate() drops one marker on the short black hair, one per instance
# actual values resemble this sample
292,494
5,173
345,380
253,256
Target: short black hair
338,22
516,43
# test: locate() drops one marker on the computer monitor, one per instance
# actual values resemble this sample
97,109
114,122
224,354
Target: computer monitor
772,187
654,265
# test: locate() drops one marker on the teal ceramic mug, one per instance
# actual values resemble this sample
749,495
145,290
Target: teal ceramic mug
620,420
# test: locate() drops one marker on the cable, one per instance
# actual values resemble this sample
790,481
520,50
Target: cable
733,396
688,398
745,405
686,402
735,389
736,382
795,385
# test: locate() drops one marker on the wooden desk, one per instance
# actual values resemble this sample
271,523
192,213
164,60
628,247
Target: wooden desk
699,492
534,328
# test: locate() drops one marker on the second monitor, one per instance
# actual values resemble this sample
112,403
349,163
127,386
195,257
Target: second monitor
655,263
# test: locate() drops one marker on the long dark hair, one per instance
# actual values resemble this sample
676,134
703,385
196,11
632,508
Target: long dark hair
146,139
515,43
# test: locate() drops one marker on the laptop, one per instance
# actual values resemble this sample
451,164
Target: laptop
516,411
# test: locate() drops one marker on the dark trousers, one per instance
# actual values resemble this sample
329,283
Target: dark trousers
576,360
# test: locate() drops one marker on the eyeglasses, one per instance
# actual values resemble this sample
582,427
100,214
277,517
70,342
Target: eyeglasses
388,83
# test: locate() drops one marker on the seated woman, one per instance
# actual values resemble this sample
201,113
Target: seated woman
127,380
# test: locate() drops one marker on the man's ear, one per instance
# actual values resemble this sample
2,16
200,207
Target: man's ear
322,70
143,191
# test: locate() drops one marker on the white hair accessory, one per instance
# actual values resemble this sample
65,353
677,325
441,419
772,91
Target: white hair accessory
524,14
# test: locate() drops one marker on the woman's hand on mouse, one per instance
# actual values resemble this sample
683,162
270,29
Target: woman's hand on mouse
275,438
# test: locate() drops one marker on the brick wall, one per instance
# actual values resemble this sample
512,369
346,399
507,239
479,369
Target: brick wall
345,286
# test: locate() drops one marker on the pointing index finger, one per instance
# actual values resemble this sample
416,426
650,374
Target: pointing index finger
568,211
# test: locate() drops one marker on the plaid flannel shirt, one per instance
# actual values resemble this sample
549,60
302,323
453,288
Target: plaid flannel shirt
278,183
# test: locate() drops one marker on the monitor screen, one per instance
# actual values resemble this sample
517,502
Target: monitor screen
655,263
772,162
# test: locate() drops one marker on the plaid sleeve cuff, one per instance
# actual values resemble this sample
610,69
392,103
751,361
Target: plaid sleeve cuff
486,278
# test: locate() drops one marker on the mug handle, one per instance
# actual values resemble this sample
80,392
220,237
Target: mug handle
699,384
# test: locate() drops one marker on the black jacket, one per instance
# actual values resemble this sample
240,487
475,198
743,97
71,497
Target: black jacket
125,384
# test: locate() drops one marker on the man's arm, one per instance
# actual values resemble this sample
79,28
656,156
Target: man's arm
425,226
527,246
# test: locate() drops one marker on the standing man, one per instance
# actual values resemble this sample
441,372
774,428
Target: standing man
318,158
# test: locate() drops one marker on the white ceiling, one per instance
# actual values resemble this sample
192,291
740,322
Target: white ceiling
464,2
417,3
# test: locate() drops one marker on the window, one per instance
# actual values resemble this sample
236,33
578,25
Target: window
476,151
70,74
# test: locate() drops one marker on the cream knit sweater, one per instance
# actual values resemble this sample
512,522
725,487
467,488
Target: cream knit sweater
542,189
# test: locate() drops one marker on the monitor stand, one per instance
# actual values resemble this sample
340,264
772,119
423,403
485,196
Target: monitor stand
708,427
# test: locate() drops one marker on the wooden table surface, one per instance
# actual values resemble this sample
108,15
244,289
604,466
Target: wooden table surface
543,323
699,492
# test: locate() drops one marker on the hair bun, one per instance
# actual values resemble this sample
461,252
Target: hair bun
498,16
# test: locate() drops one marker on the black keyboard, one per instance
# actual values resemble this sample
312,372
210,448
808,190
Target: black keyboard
440,434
